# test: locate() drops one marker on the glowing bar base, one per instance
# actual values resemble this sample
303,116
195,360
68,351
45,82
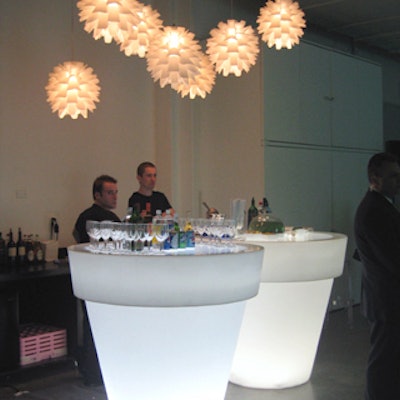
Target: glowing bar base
165,353
280,334
282,324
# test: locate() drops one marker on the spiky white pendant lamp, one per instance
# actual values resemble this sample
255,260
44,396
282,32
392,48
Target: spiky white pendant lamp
72,89
281,23
174,57
232,47
203,83
108,19
139,36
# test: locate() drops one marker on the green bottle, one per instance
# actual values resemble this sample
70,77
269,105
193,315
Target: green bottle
252,212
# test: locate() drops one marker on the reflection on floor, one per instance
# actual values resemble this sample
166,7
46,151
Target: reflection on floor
338,372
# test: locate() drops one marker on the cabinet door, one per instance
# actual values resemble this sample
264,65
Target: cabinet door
281,95
315,95
357,103
297,95
345,101
298,186
370,110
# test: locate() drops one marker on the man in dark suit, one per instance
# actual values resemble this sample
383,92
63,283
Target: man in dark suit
377,234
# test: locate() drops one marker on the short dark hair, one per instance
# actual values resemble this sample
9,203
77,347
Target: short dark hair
98,183
376,162
142,167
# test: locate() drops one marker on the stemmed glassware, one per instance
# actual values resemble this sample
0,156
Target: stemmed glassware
123,237
94,232
161,234
117,235
149,235
199,227
131,236
105,228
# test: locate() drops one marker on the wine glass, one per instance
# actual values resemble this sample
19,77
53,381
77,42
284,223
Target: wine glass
131,235
230,229
94,233
161,233
138,235
105,229
149,235
116,235
199,227
141,230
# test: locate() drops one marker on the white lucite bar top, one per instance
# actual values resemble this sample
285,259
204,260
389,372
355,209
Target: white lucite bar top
320,256
181,279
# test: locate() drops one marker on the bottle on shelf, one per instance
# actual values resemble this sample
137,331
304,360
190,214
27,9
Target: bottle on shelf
21,250
30,253
3,250
37,248
11,249
252,212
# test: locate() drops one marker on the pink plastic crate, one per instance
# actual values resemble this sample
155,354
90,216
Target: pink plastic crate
41,342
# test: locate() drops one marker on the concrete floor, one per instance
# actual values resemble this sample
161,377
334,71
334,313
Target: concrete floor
338,372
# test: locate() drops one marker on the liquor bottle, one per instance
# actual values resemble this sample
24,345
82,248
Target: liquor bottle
21,252
266,207
3,250
37,247
252,212
148,218
30,253
11,249
136,218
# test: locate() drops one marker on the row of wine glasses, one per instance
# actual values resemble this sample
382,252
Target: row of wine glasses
215,230
123,238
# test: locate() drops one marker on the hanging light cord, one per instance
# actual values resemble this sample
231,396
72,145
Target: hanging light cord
72,32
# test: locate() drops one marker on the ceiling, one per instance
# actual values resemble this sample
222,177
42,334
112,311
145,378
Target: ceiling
374,23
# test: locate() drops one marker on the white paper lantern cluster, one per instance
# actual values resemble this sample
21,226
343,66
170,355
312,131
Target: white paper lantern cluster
174,57
140,35
72,89
233,47
203,83
281,23
108,19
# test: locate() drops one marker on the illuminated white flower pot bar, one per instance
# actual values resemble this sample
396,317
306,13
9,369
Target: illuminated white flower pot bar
166,327
282,324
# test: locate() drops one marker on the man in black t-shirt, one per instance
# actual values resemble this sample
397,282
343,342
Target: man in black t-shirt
146,200
105,193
